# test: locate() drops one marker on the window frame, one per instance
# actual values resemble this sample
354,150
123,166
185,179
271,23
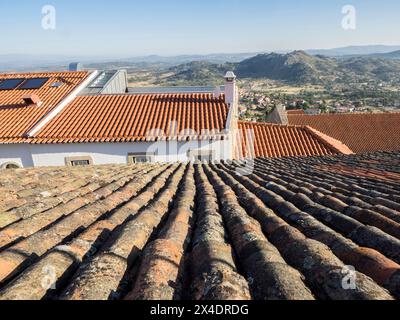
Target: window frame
194,155
69,161
150,157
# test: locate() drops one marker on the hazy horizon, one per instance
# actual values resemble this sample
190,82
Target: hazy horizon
384,48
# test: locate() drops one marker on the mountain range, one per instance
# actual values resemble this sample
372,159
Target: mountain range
296,67
354,50
28,62
300,67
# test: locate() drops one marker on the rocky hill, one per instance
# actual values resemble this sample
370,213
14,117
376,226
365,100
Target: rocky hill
196,73
300,67
297,68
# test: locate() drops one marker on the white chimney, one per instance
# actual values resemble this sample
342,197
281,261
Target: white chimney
230,88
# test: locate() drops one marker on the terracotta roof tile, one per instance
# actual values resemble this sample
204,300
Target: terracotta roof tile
287,230
16,117
275,141
360,132
114,118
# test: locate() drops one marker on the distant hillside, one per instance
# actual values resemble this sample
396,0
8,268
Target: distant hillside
297,66
197,73
354,50
300,67
182,59
389,55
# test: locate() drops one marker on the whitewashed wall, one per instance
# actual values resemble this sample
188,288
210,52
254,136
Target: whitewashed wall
19,154
107,153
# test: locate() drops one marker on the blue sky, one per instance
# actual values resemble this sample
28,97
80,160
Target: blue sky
169,27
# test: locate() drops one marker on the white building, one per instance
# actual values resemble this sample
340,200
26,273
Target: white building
82,118
76,118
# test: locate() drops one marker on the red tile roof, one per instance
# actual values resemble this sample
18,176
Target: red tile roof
337,145
127,118
275,141
360,132
16,117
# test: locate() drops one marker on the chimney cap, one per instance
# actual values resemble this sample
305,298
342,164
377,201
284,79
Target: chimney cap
230,76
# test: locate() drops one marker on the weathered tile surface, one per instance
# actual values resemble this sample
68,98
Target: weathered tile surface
288,229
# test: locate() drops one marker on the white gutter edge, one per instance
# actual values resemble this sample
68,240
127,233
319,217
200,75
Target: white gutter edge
229,118
233,112
231,124
62,105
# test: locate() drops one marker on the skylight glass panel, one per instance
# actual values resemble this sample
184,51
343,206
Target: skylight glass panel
56,84
10,84
35,83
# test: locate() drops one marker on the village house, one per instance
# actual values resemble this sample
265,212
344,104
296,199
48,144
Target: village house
83,118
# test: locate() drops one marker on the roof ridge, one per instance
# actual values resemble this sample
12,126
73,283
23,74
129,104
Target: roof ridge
271,124
328,141
128,94
40,72
344,114
179,134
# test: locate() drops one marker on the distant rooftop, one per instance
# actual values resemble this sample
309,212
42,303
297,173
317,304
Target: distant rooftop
361,132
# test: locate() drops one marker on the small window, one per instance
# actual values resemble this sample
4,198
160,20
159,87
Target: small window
201,155
78,161
56,84
10,165
140,157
